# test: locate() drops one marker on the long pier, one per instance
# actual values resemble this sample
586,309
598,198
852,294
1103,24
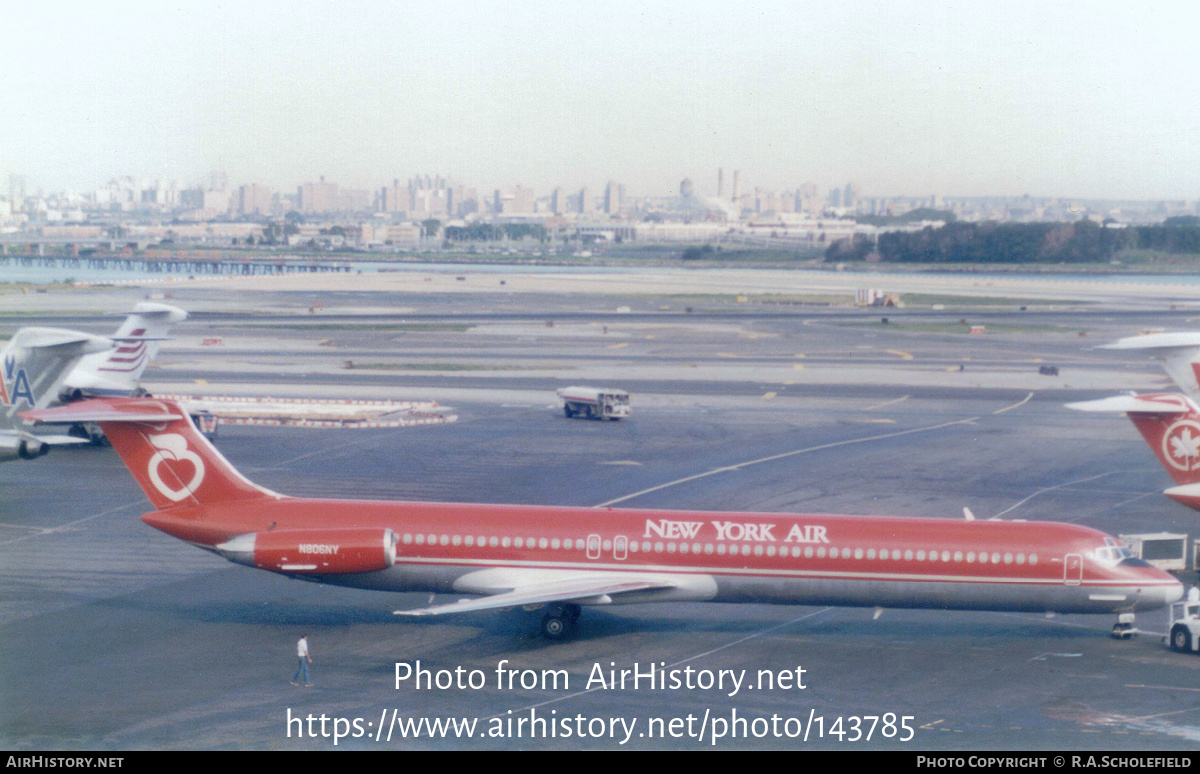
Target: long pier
190,262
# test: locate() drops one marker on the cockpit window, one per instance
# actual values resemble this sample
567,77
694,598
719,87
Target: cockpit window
1111,552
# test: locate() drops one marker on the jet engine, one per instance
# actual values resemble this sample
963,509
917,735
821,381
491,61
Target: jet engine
331,551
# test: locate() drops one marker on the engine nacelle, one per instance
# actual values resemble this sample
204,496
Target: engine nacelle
334,551
31,449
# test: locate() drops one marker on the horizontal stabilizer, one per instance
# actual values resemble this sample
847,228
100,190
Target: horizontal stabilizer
1184,493
53,440
570,590
1156,341
1164,403
143,410
166,312
31,338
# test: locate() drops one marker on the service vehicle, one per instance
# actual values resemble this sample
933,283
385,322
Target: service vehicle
595,403
1185,623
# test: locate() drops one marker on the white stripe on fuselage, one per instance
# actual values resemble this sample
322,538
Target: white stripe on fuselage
771,573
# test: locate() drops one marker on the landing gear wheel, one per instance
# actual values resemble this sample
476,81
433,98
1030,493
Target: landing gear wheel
570,412
559,621
555,627
1181,639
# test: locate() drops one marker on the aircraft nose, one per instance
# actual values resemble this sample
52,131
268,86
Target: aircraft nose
1172,592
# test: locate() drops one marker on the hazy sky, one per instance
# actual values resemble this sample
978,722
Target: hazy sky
904,98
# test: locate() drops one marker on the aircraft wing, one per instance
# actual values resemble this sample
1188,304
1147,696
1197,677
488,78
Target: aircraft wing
582,588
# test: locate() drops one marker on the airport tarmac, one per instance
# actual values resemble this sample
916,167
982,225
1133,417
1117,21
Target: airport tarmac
120,637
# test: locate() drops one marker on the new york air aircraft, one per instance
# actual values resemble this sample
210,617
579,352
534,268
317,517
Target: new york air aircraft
1170,424
562,558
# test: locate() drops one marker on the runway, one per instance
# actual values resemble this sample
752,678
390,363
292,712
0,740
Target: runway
119,637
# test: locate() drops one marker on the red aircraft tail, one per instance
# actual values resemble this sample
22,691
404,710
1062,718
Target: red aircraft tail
170,459
1170,423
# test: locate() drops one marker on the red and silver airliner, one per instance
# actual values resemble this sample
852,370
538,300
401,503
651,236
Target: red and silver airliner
563,557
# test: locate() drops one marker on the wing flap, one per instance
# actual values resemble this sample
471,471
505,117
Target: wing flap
566,590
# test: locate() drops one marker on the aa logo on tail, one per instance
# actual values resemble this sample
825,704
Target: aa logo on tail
1181,445
172,446
20,384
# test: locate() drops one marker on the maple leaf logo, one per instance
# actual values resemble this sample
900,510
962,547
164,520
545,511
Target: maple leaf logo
1182,445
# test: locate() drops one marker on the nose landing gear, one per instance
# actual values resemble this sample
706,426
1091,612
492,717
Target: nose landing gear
1123,629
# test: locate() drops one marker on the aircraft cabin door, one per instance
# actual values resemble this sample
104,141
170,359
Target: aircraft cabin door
620,548
1073,569
593,547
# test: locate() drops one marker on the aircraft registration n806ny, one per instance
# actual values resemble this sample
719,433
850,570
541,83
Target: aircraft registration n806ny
565,557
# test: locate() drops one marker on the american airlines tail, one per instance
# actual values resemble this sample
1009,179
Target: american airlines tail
173,462
36,361
1170,423
119,372
1178,352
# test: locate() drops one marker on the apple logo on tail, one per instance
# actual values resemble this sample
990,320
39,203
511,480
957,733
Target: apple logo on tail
172,446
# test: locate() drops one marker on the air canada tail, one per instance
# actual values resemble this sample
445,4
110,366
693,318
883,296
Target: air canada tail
1169,422
170,459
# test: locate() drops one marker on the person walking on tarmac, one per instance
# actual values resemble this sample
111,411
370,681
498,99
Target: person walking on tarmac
305,660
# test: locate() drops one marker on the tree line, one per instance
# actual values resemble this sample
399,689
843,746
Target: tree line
1083,241
489,232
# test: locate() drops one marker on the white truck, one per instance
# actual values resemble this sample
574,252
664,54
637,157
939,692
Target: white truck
1185,624
595,403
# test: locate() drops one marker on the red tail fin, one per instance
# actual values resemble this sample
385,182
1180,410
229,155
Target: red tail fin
171,460
1169,422
1175,440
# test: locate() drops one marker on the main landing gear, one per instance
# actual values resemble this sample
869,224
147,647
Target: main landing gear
559,621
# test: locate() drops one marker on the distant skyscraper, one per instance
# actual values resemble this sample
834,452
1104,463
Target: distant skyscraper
720,182
585,201
685,188
16,192
317,197
850,195
612,198
522,200
253,200
557,203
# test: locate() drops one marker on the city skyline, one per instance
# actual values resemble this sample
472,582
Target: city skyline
906,99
